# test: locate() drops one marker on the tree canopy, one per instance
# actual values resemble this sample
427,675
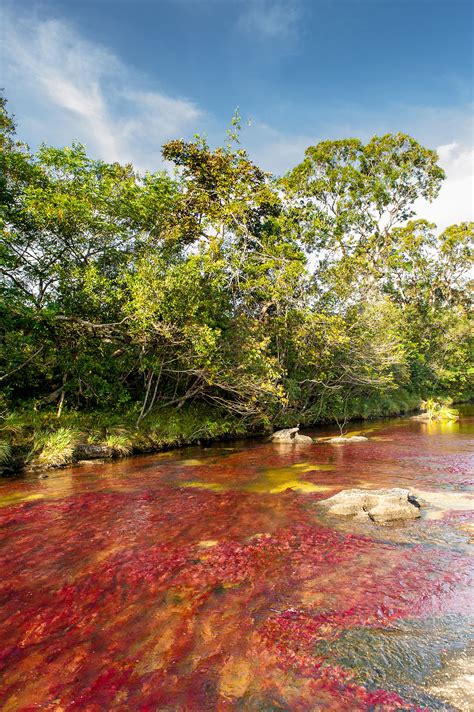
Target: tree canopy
276,298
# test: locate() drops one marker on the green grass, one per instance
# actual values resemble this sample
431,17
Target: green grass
53,449
40,438
5,452
120,444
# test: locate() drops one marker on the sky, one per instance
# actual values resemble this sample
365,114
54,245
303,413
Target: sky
124,76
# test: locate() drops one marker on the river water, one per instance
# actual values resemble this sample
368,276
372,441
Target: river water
208,579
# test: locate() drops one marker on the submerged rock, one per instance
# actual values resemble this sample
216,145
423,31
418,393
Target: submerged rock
95,461
381,506
291,436
88,451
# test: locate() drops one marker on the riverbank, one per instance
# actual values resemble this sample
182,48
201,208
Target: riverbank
39,440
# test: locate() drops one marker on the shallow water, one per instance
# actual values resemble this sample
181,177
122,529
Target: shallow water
208,579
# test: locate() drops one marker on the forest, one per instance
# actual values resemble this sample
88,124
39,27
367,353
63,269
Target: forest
211,298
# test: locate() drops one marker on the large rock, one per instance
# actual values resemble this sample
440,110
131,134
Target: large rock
89,451
381,506
291,436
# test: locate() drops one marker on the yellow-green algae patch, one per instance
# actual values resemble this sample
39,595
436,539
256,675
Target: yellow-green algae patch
272,480
299,467
18,497
300,486
215,486
207,543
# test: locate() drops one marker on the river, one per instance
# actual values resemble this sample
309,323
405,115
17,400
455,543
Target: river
208,579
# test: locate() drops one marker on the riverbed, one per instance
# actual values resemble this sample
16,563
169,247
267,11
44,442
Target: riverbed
209,579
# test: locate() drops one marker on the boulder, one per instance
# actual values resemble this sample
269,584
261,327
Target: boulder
380,506
291,436
89,451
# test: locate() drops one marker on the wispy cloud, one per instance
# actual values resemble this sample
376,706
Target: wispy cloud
63,87
270,18
77,89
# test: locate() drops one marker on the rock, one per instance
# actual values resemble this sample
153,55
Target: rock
235,677
290,435
342,439
302,439
421,416
85,463
285,435
379,505
87,451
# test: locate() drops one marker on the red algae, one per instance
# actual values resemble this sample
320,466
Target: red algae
125,588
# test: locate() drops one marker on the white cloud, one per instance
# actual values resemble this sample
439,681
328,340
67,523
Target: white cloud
70,88
270,18
64,87
455,202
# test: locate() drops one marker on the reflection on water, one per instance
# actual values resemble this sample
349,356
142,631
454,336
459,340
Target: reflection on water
206,579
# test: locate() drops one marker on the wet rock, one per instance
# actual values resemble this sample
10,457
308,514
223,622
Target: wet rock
379,505
303,439
343,439
291,436
236,675
88,451
86,463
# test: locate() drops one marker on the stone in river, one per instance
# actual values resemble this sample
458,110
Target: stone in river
291,436
90,451
342,439
381,506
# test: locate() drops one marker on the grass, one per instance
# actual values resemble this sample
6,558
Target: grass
438,411
39,438
5,452
121,445
53,449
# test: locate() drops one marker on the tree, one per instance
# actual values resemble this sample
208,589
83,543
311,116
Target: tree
346,198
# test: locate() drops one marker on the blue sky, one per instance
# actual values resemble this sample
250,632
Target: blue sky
124,76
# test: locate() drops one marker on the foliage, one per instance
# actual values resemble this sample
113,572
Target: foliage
5,452
318,295
438,411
